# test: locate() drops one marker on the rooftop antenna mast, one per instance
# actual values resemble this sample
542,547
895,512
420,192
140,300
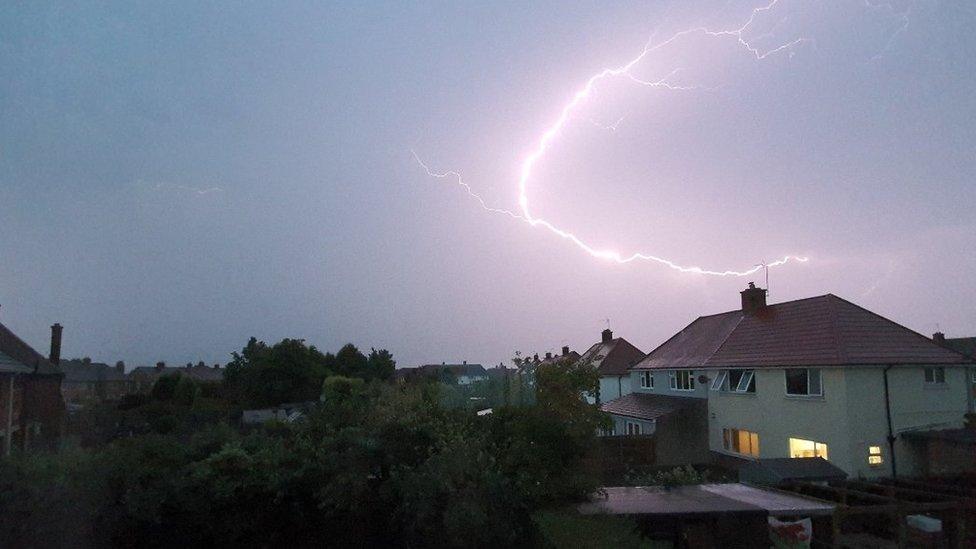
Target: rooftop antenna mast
765,267
608,322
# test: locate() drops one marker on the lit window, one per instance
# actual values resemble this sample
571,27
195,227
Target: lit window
741,441
804,382
647,380
874,456
633,428
801,448
935,375
682,380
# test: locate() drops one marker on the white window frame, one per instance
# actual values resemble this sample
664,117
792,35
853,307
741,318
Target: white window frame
673,380
808,393
632,428
646,379
719,380
816,446
934,370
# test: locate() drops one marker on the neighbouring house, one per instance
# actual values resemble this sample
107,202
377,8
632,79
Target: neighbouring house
612,357
463,374
87,381
31,406
815,377
144,377
966,346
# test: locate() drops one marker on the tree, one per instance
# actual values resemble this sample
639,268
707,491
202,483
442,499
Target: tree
380,365
262,375
350,362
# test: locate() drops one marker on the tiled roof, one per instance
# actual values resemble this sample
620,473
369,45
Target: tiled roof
782,469
10,366
17,351
77,371
572,357
817,331
470,370
646,406
612,358
964,345
199,373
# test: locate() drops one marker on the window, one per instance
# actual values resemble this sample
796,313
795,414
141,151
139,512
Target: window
735,381
874,456
802,448
804,382
633,428
974,375
935,375
647,380
682,380
741,441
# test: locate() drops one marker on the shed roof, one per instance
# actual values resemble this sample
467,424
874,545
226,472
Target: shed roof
647,406
705,499
816,331
775,470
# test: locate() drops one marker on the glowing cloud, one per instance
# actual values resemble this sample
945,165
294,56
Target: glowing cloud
549,135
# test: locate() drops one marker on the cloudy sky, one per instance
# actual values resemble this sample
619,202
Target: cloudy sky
176,178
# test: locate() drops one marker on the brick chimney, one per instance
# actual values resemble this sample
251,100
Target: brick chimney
939,338
565,350
160,365
55,356
607,335
753,299
120,366
548,356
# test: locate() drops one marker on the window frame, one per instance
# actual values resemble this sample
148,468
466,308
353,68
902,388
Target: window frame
719,380
673,376
808,394
637,429
723,381
934,370
875,458
648,377
731,437
816,447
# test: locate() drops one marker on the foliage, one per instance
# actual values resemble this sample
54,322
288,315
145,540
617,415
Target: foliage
375,464
262,375
678,476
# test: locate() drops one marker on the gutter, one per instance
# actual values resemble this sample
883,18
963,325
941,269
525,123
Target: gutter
891,432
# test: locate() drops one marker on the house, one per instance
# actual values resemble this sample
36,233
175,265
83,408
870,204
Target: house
86,381
612,357
144,377
287,413
815,377
31,406
966,346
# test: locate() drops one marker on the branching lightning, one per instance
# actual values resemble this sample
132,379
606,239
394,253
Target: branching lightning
546,139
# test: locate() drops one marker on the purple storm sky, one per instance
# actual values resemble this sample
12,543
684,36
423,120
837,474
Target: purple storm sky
177,178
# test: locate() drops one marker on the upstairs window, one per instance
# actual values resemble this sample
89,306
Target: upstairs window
647,380
802,448
935,375
682,380
804,382
735,381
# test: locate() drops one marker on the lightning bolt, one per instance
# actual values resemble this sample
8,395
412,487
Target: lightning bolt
550,134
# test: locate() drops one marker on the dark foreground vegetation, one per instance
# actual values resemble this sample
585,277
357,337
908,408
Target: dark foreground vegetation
377,462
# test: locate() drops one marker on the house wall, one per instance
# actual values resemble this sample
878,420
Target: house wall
850,416
662,385
612,387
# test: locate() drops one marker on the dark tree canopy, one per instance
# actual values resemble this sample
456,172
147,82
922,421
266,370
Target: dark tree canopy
289,371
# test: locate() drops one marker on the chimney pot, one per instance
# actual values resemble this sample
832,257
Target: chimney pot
938,337
160,365
607,336
565,350
548,356
55,356
753,299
